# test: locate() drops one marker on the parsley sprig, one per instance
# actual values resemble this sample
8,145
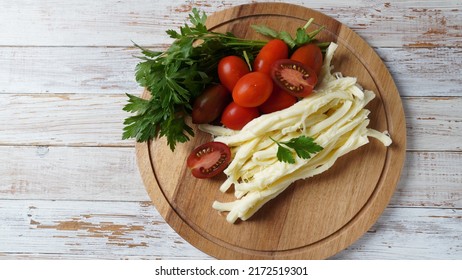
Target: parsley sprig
303,146
176,77
301,36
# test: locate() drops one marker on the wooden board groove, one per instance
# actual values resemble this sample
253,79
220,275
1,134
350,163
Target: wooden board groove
352,194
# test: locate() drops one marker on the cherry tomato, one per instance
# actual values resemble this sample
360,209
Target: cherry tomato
278,100
274,50
294,77
252,89
236,117
210,104
309,55
230,70
208,159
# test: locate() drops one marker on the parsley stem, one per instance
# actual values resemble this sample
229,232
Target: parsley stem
275,141
249,43
308,23
247,60
315,32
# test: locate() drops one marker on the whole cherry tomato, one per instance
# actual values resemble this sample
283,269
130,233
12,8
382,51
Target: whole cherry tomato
252,89
236,117
230,70
309,55
278,100
274,50
210,104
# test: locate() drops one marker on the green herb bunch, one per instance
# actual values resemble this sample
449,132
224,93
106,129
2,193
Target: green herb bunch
175,77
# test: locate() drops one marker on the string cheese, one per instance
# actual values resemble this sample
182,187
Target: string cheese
333,115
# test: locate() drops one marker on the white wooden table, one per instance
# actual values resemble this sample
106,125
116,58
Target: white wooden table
70,187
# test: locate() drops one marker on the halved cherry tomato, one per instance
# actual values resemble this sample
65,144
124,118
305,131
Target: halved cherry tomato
309,55
252,89
236,117
273,50
208,159
210,104
294,77
278,100
230,70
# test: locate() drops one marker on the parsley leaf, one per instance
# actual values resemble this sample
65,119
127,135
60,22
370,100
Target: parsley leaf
303,146
265,30
285,155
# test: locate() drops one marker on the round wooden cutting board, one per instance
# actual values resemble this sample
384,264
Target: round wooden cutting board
313,218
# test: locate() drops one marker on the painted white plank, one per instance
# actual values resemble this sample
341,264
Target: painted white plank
70,23
132,230
96,120
425,71
90,230
406,23
410,233
70,173
67,70
116,23
429,179
433,123
62,119
99,70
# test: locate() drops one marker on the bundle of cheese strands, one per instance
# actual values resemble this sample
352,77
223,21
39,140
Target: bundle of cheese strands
333,115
